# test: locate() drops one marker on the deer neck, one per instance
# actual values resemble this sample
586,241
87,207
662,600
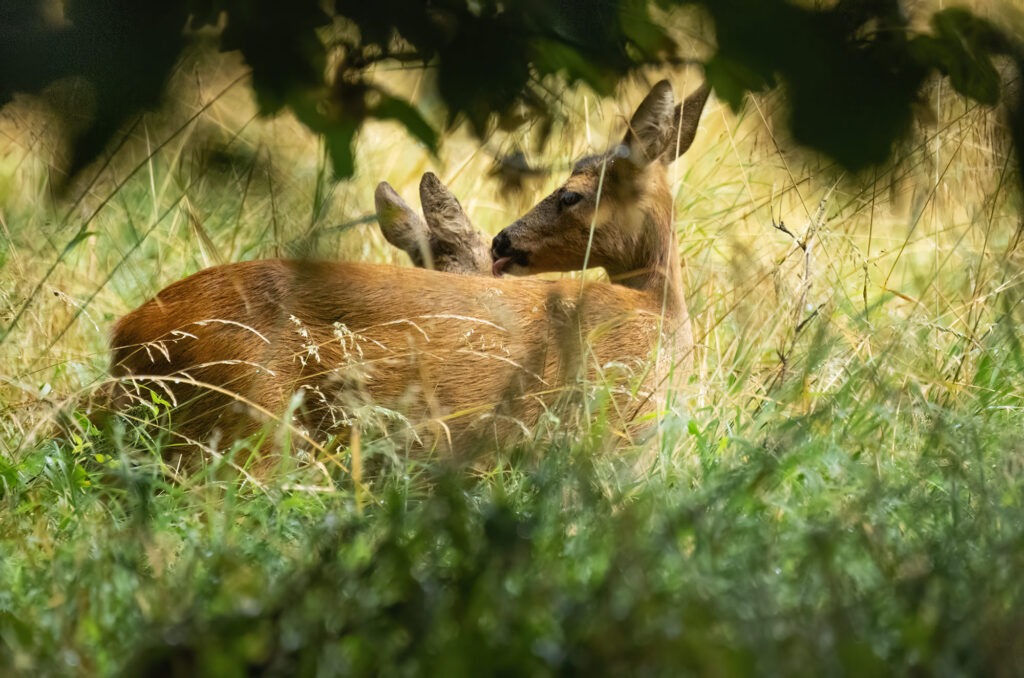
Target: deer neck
653,265
658,272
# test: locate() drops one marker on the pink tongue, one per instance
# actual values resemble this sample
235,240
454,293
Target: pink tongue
498,265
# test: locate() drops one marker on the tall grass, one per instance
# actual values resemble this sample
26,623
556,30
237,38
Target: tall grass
834,488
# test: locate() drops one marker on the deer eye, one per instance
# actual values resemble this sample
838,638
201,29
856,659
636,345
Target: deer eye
569,198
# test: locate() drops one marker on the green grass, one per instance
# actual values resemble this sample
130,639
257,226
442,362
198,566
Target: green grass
836,487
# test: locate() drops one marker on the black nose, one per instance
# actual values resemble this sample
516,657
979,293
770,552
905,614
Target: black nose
501,245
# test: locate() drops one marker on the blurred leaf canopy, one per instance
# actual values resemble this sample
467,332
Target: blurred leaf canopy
852,71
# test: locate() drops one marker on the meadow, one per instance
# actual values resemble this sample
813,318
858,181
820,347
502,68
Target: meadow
834,488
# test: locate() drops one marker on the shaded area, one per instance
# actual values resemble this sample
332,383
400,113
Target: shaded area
853,72
793,546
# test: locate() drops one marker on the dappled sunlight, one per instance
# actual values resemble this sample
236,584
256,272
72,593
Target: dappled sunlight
827,481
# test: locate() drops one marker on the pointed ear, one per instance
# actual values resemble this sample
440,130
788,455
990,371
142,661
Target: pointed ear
457,246
651,125
685,122
445,217
401,226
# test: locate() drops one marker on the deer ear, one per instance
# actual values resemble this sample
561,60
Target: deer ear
401,226
457,246
684,123
445,217
651,125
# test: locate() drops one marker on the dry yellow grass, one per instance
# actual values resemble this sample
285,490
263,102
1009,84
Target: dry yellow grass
915,247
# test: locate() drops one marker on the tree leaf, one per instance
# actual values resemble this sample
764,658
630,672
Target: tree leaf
963,46
339,140
338,133
394,108
731,80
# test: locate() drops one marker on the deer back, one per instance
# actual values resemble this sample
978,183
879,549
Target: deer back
458,357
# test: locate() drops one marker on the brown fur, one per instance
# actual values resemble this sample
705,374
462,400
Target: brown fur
445,241
463,357
622,221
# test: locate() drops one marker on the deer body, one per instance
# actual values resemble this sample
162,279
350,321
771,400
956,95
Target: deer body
462,357
470,356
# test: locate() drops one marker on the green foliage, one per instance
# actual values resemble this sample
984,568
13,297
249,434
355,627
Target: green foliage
854,71
123,50
797,545
842,500
855,66
490,57
962,48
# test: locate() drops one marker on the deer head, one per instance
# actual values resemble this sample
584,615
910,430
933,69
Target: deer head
615,208
445,241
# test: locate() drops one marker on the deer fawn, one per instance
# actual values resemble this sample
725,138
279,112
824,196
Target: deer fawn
460,357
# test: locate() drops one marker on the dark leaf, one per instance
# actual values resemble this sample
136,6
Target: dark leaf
339,147
393,108
731,80
555,57
962,48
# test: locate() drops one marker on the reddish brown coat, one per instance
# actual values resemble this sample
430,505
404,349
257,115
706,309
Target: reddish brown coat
460,357
470,354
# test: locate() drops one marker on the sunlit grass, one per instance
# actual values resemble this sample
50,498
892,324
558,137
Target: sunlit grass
834,486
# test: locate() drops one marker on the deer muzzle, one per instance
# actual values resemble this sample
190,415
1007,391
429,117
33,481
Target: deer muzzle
505,256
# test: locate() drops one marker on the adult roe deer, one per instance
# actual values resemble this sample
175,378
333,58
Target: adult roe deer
460,356
631,236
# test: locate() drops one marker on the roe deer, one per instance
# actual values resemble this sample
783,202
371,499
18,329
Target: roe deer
615,211
459,356
446,241
633,238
